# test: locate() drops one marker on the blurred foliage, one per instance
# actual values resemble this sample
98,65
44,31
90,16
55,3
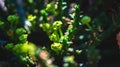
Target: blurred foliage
74,27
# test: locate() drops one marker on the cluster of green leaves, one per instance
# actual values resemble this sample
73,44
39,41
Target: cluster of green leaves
54,30
25,52
63,40
72,34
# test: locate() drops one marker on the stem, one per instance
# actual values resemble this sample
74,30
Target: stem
60,31
76,22
57,36
60,9
88,25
